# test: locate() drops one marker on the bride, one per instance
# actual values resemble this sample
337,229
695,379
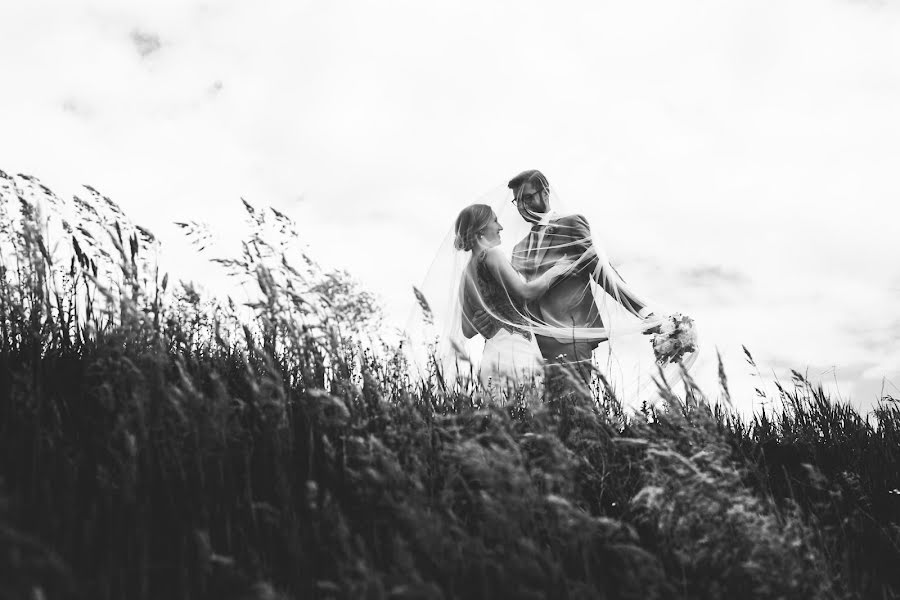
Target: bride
491,285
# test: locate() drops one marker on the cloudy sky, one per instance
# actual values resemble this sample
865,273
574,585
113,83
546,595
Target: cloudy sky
739,159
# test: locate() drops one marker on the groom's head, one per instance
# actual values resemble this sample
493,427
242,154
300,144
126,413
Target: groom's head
531,193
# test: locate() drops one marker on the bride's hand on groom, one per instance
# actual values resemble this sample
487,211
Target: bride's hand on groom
560,268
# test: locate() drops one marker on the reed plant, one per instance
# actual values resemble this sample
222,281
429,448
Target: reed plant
157,443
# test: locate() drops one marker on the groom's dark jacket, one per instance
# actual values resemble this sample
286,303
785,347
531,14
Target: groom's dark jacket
569,301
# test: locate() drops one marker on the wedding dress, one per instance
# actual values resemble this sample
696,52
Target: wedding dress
511,356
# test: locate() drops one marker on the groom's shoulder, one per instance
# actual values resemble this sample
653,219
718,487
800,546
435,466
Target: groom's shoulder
575,220
494,256
494,253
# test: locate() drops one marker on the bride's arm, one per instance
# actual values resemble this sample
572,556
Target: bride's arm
513,283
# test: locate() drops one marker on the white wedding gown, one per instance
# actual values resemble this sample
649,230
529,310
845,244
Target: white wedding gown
511,357
510,360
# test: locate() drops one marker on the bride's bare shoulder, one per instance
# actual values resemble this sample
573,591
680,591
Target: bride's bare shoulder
494,256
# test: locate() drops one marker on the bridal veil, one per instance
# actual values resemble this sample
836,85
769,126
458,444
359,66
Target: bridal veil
625,354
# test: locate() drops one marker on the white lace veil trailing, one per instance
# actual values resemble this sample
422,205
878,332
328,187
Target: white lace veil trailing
590,306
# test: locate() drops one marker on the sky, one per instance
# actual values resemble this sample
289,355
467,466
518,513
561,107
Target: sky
737,158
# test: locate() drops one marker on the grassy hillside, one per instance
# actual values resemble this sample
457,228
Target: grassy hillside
156,444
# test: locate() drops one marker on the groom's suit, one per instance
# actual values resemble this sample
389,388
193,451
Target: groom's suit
569,301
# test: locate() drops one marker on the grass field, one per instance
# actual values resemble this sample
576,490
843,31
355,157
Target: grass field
158,444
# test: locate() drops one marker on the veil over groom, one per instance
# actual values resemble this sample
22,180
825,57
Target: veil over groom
540,307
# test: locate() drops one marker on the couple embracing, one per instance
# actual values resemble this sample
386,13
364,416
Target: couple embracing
539,307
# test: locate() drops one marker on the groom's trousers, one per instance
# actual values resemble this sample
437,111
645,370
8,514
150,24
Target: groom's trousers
574,356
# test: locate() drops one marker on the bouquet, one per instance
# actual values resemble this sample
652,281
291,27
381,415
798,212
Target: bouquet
676,337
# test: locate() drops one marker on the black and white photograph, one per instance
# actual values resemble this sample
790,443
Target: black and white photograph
449,300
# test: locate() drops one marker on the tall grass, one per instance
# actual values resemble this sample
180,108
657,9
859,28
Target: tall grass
158,444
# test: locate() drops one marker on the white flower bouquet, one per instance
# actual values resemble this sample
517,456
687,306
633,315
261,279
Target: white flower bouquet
676,337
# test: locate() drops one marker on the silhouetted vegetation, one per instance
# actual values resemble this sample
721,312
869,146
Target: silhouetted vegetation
158,444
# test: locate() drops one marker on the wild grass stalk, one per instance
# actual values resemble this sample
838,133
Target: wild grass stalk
155,443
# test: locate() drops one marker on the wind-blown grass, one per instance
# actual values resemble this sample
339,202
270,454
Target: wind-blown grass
156,444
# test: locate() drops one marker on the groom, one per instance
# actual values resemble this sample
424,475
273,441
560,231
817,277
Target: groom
569,302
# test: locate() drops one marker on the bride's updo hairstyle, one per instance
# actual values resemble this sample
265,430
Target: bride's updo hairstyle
470,222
